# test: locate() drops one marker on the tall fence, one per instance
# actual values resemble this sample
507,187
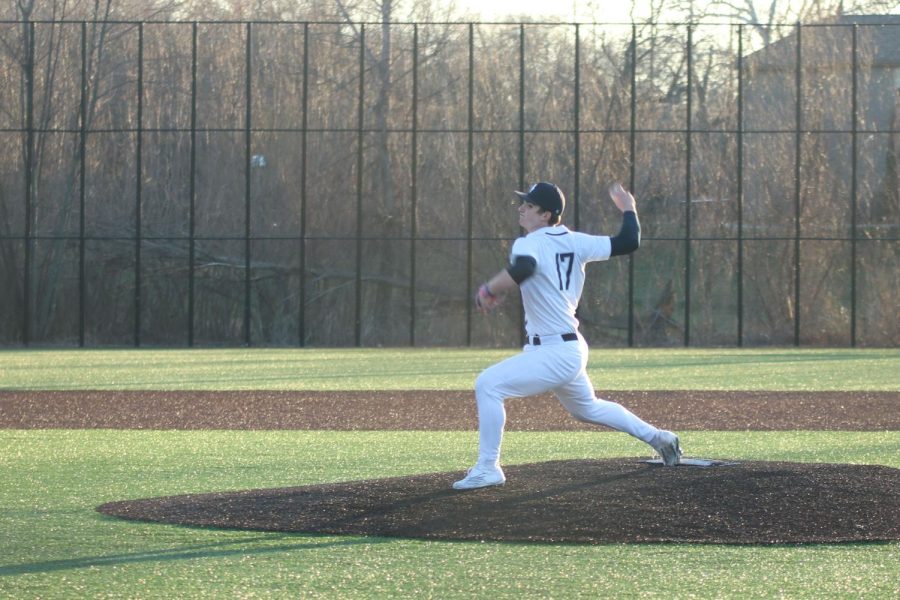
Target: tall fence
341,184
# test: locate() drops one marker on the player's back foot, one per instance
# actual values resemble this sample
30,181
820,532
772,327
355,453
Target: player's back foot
479,477
667,446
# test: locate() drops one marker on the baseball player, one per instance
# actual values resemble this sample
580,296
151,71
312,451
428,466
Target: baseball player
547,265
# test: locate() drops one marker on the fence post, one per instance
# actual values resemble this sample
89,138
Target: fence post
359,180
192,187
576,192
28,159
414,191
632,175
470,184
82,161
521,107
740,189
688,191
798,141
138,193
521,144
248,157
303,198
853,186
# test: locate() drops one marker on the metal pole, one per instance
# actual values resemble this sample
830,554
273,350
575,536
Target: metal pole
853,187
81,184
798,141
576,192
521,107
303,197
688,192
192,187
522,141
470,165
359,180
414,192
248,157
740,189
632,175
138,187
29,179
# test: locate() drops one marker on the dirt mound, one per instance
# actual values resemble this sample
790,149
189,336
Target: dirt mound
576,501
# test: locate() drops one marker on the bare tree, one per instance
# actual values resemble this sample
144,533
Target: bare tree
472,95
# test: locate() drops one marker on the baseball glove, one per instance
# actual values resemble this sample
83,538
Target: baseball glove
485,300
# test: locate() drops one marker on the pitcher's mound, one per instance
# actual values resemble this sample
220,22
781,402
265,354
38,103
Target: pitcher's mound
580,501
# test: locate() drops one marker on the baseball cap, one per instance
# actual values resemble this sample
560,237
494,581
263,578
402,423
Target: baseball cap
546,195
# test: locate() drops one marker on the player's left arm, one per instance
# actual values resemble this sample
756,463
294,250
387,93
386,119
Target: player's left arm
501,283
491,292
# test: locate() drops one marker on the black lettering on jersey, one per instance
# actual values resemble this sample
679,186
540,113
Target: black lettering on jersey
564,263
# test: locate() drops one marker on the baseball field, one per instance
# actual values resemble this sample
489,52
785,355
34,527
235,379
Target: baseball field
84,429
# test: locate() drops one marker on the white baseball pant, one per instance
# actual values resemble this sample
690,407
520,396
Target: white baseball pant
555,365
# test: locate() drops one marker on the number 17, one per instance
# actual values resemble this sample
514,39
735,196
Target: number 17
564,262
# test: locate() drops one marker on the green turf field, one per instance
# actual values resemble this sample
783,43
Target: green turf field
442,369
55,545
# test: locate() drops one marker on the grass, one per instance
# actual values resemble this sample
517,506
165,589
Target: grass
55,545
436,369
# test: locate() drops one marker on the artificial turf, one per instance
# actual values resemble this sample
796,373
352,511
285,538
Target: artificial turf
55,545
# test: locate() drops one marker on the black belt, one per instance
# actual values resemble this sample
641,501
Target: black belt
566,337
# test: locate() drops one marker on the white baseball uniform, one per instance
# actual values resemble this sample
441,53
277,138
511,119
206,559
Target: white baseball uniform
556,355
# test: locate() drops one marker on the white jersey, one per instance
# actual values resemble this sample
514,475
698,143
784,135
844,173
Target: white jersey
551,295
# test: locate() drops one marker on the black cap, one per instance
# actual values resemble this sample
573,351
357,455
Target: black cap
547,196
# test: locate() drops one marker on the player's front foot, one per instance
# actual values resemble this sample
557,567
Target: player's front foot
666,444
479,477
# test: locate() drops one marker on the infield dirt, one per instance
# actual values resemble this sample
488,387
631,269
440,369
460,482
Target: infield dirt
576,501
439,410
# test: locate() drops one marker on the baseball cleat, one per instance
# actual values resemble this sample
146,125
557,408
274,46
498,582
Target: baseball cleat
479,477
666,444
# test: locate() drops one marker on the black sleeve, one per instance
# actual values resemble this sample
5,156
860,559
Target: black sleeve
629,238
521,268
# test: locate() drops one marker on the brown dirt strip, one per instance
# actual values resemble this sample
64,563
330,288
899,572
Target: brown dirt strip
438,410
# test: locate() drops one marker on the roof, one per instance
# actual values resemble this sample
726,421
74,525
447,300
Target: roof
828,43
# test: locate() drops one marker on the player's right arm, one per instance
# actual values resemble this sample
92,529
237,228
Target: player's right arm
629,237
623,199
